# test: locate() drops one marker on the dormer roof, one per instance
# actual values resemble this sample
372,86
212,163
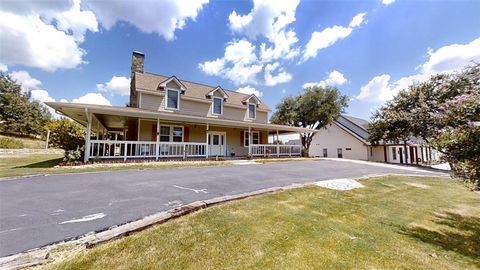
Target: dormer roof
248,99
219,89
174,79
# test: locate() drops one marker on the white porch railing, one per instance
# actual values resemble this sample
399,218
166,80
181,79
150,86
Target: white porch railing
105,149
275,150
108,149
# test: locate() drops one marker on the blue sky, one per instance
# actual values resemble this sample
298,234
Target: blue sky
81,51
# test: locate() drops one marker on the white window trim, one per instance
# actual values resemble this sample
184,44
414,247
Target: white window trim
248,110
245,132
213,106
170,140
166,99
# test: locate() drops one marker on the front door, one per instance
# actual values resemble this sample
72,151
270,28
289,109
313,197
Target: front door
217,143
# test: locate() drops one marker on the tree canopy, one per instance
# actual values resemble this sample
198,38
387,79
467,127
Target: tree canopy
66,134
18,113
314,108
445,112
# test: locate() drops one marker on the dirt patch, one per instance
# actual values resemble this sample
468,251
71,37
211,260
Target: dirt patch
417,185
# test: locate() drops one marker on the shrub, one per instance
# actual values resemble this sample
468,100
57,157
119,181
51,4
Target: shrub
10,143
74,155
66,134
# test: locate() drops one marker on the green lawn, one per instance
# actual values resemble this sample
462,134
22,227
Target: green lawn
33,164
393,223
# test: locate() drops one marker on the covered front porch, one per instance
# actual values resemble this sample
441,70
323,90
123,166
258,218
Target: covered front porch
131,134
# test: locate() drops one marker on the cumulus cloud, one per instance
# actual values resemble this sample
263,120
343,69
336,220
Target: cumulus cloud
243,61
249,90
3,68
328,36
92,98
150,16
29,41
239,63
116,86
280,77
77,21
447,59
25,80
335,78
387,2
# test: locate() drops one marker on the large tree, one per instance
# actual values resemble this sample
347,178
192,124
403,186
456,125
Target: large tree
18,113
445,112
314,108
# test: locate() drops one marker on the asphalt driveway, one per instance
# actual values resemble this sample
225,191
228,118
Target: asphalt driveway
40,210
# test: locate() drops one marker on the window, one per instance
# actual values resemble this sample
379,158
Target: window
252,110
325,152
255,138
177,134
339,153
371,151
173,99
348,149
164,133
217,105
171,134
394,153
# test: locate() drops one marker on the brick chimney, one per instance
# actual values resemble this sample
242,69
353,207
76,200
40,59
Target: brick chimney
138,60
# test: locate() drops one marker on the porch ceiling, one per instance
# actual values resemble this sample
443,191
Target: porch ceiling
116,117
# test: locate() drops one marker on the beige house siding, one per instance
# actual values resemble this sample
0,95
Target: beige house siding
376,154
197,133
198,108
334,137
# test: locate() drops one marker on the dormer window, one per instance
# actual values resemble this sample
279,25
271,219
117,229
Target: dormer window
217,105
172,99
252,110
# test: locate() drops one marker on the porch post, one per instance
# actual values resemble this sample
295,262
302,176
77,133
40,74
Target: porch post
249,141
86,155
278,146
206,140
157,146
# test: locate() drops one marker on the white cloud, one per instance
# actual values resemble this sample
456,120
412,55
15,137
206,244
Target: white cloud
282,47
284,91
29,41
249,90
447,59
42,96
150,16
25,80
267,18
328,36
78,21
92,98
451,57
239,64
116,86
335,78
3,68
281,77
387,2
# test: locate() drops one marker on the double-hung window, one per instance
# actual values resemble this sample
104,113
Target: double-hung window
394,153
177,134
252,110
255,138
217,107
173,99
164,133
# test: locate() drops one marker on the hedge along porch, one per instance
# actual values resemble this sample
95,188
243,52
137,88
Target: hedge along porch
132,133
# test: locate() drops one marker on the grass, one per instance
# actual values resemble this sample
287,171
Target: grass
34,164
394,223
9,142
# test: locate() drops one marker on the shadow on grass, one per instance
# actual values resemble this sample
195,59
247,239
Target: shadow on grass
43,164
465,240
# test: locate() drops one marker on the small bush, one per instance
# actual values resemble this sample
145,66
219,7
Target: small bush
74,155
10,143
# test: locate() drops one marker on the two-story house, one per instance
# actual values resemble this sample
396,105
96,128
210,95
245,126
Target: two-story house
171,117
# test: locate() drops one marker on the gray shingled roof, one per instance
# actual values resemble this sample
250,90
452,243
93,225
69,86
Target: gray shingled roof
355,125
